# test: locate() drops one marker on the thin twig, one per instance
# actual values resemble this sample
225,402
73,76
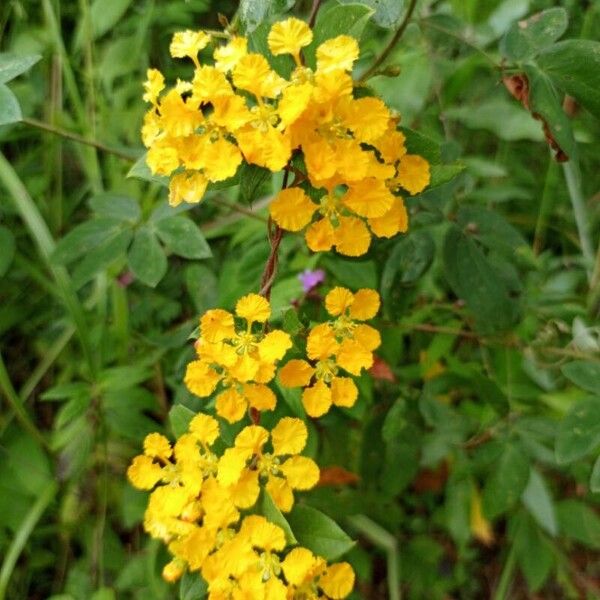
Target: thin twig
77,138
313,13
388,49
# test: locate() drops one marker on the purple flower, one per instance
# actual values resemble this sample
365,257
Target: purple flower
311,279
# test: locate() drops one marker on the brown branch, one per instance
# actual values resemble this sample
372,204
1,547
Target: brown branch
69,135
388,49
313,13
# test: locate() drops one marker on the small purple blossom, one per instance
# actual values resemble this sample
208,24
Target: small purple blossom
311,279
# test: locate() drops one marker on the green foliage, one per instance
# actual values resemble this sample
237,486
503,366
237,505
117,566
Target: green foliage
486,384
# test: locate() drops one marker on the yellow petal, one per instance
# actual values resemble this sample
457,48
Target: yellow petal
366,304
338,300
352,238
253,74
200,378
320,236
337,53
369,198
246,490
221,160
298,566
157,446
321,342
343,392
162,158
292,209
367,337
230,112
293,102
274,345
289,436
316,399
289,37
227,56
353,357
153,85
296,373
337,581
320,159
204,428
143,473
209,84
231,466
260,396
281,493
216,325
413,173
253,308
245,368
391,144
187,187
367,117
188,43
394,221
231,405
301,472
252,439
262,533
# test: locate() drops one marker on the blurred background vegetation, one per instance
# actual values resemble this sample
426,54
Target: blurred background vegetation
468,463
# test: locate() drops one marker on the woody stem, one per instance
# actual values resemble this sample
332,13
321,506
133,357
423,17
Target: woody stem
275,236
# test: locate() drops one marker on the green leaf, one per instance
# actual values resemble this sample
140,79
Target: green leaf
268,509
579,432
146,258
574,66
254,12
101,257
141,170
489,391
252,181
103,17
474,280
583,373
506,482
114,206
538,502
544,101
534,553
527,38
192,587
12,65
319,533
84,238
491,229
387,13
335,18
441,174
10,110
579,522
418,143
180,417
7,249
595,477
183,237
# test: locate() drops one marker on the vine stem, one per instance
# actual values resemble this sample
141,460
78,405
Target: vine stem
275,235
388,49
313,13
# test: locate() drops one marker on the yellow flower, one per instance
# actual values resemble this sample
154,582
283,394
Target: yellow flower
413,173
392,222
188,186
289,37
188,44
153,85
241,360
338,53
282,470
253,74
292,209
227,56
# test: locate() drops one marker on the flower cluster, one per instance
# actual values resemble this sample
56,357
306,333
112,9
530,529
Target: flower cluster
239,109
196,502
241,360
344,343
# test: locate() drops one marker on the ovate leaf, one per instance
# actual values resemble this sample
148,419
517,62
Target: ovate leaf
579,522
574,66
180,417
319,533
579,432
387,12
12,65
526,38
538,501
146,258
183,237
506,482
269,510
583,373
85,238
10,110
